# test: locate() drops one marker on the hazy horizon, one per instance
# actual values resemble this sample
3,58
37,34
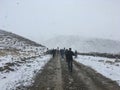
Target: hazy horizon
41,20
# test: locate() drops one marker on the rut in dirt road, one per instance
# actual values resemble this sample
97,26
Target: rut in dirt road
55,76
85,78
50,78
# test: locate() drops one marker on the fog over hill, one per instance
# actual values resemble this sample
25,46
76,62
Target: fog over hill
83,44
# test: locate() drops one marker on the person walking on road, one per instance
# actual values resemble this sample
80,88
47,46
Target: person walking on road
62,53
66,55
53,52
76,54
69,58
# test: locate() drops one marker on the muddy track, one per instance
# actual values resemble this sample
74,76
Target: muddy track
55,76
50,78
94,80
85,78
71,80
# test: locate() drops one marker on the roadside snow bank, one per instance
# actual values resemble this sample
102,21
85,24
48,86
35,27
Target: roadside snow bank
24,75
109,68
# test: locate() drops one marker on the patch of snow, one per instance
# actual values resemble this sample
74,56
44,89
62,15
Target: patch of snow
24,75
105,66
5,59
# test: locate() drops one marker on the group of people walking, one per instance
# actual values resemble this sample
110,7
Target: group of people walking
66,54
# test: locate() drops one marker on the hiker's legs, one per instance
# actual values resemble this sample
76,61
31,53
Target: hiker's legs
71,66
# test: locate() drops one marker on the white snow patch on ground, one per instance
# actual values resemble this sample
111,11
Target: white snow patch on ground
105,66
23,75
5,59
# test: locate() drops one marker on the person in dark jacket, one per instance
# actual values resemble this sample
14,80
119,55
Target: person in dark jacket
66,55
69,57
53,52
62,53
76,54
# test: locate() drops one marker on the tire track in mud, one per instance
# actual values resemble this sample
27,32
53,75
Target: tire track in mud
58,75
94,80
70,80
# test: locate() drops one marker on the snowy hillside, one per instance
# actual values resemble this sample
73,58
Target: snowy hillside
9,40
84,44
15,49
20,60
14,44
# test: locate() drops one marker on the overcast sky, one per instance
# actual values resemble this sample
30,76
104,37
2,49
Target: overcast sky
43,19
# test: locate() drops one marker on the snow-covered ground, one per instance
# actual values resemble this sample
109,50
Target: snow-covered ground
20,60
22,75
109,68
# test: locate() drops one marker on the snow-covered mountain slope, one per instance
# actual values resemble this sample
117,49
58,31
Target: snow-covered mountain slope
17,44
84,44
15,49
9,40
20,60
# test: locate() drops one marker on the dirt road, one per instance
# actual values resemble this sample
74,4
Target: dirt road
55,76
